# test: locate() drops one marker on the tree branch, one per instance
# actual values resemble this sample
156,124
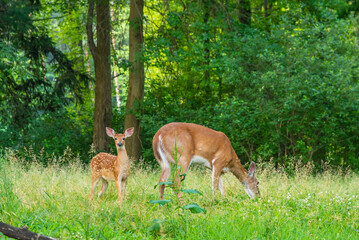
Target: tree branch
22,233
50,18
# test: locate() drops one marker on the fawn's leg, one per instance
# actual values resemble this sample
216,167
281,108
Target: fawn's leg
95,180
118,186
123,188
103,188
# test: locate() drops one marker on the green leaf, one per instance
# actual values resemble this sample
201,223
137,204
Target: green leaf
156,225
160,202
194,208
183,176
191,191
163,183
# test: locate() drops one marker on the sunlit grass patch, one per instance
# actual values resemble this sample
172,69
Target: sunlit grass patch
54,201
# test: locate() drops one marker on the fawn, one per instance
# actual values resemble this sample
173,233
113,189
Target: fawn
109,167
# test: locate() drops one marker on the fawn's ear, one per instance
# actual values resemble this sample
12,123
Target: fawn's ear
252,169
110,132
129,132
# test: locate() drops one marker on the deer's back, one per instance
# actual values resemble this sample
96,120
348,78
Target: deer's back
104,164
193,138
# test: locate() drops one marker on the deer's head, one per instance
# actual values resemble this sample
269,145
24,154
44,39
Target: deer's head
251,183
119,137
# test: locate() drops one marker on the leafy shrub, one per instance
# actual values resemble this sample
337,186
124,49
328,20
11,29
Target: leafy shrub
53,134
287,91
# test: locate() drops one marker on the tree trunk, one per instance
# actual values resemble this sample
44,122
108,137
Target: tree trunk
101,54
244,12
265,8
117,84
136,79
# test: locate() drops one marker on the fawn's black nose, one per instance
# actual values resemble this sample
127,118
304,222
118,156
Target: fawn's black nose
120,144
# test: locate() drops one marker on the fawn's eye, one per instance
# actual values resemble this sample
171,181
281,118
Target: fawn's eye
123,139
115,138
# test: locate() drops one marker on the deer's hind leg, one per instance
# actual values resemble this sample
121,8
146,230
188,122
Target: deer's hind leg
103,187
95,179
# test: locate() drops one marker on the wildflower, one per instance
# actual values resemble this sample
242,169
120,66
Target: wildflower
288,196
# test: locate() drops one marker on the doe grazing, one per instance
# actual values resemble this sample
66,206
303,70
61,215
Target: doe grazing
199,144
108,167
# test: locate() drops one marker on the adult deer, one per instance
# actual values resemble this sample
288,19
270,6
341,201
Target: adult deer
109,167
199,144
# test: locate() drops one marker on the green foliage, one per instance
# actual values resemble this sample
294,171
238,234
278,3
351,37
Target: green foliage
35,77
53,134
288,88
160,202
284,86
45,135
194,208
303,94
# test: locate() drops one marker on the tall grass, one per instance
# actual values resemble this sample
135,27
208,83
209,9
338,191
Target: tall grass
54,201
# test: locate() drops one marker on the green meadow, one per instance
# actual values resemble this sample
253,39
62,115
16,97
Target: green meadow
54,201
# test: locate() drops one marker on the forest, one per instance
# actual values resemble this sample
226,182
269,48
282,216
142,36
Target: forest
279,78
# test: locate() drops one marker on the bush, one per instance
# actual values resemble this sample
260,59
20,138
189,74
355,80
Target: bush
53,134
286,93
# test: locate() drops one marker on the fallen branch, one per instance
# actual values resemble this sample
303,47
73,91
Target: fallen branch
21,233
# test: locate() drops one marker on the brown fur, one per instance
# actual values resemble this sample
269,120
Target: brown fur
108,167
196,140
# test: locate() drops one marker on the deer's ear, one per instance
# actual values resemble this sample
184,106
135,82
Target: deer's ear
110,132
252,169
129,132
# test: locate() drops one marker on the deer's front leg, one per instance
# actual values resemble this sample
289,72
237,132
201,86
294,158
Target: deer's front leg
118,186
123,188
216,181
221,186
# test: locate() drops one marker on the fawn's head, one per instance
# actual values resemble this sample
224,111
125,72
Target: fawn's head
119,137
251,183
